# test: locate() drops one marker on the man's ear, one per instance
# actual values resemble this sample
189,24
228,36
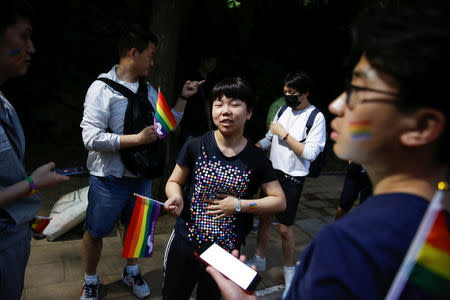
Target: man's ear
249,115
425,127
132,53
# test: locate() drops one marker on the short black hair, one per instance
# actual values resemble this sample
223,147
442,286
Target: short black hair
135,36
411,46
236,88
13,10
299,81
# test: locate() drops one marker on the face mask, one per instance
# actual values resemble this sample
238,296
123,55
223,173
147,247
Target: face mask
292,101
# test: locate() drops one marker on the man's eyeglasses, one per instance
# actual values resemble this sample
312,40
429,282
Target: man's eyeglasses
351,102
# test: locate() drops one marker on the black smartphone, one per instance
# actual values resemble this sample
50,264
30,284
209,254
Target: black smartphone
71,171
231,267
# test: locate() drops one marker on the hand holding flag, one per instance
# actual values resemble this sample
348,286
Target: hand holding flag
174,205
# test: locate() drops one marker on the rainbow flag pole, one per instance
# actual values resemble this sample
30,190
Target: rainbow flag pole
164,120
424,269
150,199
141,230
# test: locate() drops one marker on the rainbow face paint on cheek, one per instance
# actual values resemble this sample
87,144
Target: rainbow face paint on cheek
252,205
360,130
15,54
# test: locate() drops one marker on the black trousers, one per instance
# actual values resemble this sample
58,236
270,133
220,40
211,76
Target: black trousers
182,271
356,183
292,188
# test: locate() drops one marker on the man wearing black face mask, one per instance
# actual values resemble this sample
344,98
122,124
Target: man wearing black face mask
292,150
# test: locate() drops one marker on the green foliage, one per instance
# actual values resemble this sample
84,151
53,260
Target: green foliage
233,3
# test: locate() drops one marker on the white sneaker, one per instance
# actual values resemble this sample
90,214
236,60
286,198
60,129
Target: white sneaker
258,262
89,291
288,275
140,287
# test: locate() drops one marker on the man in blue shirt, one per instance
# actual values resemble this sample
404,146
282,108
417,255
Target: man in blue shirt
391,119
19,201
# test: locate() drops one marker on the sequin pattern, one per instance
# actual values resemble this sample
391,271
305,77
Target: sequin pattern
213,176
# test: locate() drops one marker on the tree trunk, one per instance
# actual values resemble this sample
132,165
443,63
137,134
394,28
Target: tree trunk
167,20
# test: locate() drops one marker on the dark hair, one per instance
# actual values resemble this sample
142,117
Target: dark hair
412,47
236,88
299,81
135,36
13,10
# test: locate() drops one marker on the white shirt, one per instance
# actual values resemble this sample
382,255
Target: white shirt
294,121
105,108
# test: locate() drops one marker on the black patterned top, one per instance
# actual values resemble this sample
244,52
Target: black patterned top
213,173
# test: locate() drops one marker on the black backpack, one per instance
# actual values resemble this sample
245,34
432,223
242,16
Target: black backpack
144,160
317,165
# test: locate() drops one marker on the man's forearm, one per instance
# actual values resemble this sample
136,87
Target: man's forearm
180,105
13,192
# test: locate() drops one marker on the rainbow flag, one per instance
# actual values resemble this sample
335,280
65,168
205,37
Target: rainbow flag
360,130
425,271
141,231
39,223
164,120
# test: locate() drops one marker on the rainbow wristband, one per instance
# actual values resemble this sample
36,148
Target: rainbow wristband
32,186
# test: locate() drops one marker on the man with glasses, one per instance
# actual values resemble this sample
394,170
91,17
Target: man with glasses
392,119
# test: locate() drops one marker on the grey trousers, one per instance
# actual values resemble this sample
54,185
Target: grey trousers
13,261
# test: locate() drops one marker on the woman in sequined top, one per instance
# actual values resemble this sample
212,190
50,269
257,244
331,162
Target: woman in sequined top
221,170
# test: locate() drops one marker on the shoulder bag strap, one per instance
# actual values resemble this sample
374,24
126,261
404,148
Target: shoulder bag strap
281,111
126,92
311,118
310,122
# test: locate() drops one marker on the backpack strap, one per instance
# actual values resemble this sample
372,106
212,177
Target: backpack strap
141,94
311,118
310,122
142,91
126,92
281,111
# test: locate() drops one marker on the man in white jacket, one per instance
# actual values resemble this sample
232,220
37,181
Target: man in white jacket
111,185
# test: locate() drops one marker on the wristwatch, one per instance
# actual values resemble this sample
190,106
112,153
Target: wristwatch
238,205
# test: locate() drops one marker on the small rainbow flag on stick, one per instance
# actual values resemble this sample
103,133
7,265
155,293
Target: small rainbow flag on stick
39,224
141,230
164,120
425,270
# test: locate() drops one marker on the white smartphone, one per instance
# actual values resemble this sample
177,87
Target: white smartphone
230,267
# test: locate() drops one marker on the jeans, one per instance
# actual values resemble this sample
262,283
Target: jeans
110,197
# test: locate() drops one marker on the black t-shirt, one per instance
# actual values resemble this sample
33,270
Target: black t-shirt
213,173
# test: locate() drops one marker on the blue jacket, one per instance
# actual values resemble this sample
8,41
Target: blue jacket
15,217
